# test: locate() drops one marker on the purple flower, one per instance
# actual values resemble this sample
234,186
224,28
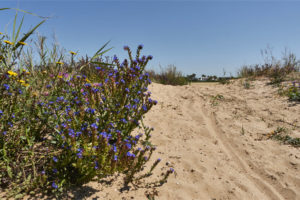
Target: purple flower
79,155
71,133
10,124
144,107
90,110
6,86
150,57
54,185
128,146
94,125
114,148
55,159
96,165
115,158
130,155
140,46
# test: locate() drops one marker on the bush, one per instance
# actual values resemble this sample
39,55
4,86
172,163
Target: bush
65,124
293,92
277,71
169,76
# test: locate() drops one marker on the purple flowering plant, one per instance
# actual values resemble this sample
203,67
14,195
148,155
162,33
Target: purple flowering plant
65,123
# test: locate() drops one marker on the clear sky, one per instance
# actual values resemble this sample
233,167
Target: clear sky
196,36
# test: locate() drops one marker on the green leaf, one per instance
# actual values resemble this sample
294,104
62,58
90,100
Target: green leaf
101,63
4,8
28,34
9,172
19,196
100,54
22,137
24,11
14,28
28,178
18,32
102,47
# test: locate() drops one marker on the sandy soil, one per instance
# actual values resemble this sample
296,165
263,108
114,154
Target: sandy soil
218,147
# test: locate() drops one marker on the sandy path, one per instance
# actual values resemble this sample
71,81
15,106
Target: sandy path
214,161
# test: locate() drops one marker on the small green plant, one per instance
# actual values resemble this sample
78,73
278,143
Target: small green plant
280,134
243,131
215,99
247,84
294,91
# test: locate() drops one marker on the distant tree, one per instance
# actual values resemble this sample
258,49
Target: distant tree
192,77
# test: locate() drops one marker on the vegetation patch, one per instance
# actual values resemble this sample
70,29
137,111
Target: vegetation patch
65,122
280,134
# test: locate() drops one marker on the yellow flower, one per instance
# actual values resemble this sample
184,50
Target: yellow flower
21,81
73,53
22,43
26,72
12,73
25,84
44,72
1,33
59,63
8,42
59,76
87,80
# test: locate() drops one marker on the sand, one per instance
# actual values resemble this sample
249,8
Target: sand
218,147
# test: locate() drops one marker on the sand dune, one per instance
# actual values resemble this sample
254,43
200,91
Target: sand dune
219,147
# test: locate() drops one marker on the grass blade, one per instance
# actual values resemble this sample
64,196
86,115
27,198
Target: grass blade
28,34
14,28
100,54
18,32
102,63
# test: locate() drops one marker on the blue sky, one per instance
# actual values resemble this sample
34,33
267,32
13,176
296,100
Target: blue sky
196,36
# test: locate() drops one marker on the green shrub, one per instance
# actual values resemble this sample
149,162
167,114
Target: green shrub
293,92
65,124
277,70
169,76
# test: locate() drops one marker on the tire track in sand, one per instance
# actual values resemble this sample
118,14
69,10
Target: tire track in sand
199,114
